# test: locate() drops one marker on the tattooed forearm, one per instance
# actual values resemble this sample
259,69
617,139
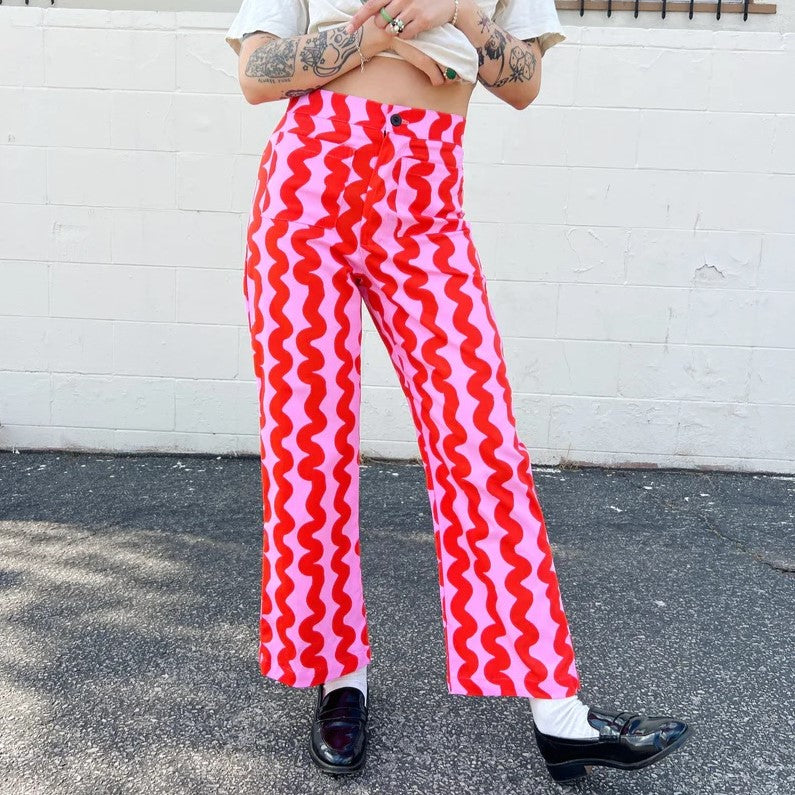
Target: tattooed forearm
322,55
507,59
509,68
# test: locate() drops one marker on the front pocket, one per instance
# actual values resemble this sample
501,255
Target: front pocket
429,193
307,174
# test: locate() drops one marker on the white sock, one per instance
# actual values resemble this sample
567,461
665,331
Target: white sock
562,717
356,679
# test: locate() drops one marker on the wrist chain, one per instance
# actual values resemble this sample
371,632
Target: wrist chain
361,54
455,13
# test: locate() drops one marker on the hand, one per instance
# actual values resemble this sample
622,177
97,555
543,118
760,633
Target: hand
416,15
373,33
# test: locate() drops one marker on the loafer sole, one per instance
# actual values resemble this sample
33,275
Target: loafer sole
574,770
336,770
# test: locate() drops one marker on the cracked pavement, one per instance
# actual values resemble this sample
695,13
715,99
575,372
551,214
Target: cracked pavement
130,595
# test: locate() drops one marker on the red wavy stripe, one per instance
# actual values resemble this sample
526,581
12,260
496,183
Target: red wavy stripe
345,486
283,461
310,467
340,540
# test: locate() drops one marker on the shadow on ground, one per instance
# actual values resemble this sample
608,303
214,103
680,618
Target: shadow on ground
130,596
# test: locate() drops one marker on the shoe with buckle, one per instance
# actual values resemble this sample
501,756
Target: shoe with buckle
627,740
338,741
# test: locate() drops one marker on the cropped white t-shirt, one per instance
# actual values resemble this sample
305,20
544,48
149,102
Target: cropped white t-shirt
446,44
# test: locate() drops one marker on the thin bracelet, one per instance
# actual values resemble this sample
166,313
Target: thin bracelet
455,14
361,54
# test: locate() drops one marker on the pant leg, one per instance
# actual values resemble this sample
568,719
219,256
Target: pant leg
506,632
304,314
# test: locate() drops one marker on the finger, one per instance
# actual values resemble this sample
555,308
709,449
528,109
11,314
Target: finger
368,9
389,9
431,68
409,31
432,73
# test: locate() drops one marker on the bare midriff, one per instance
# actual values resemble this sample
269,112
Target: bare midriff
397,82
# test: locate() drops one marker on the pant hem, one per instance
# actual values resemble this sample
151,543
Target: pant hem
304,679
482,688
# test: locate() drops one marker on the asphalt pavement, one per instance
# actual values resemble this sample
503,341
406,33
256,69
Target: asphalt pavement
129,596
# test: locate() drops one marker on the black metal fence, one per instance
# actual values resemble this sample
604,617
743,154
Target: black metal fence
744,7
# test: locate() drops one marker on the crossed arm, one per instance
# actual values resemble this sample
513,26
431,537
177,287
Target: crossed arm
271,68
274,68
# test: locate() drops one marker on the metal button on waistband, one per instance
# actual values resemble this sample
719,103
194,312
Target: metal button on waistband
395,119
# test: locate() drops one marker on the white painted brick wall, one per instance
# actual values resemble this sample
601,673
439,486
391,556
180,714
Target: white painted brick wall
636,225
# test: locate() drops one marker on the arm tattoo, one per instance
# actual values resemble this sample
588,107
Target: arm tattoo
273,61
516,61
323,54
342,45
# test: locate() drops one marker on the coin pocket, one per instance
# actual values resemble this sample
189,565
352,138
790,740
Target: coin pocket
430,194
307,174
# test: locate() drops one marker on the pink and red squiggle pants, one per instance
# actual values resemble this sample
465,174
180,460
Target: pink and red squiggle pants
361,200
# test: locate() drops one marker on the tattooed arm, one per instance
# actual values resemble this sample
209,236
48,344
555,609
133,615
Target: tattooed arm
272,68
508,67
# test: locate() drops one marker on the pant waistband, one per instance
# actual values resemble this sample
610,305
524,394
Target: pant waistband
426,123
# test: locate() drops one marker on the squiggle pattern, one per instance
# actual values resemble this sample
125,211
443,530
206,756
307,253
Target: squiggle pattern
361,201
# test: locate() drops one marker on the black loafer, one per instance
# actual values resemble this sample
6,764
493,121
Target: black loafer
339,732
627,740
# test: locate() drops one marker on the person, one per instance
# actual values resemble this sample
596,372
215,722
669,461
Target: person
359,197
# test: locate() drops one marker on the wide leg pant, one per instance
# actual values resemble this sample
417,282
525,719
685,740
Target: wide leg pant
361,200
